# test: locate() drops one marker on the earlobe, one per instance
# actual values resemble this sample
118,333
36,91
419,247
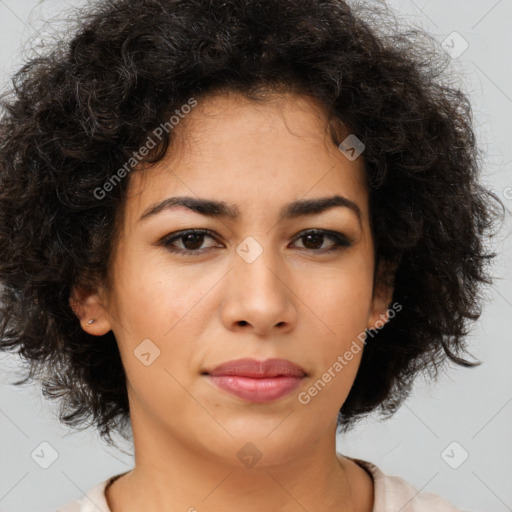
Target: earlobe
379,315
89,309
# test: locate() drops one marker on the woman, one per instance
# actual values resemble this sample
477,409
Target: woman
235,228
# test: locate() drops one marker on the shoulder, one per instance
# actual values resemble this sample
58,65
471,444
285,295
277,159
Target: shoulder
93,501
392,493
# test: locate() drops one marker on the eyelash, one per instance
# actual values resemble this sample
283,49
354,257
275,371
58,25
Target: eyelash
341,241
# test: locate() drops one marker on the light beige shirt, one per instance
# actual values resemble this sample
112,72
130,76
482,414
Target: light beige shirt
391,494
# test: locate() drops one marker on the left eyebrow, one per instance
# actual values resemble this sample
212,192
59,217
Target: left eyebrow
220,209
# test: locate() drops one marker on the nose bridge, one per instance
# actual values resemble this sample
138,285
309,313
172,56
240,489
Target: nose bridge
257,267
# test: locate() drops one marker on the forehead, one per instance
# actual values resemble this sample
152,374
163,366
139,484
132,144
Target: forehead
258,155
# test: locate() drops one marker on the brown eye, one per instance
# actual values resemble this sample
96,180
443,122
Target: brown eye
313,240
191,241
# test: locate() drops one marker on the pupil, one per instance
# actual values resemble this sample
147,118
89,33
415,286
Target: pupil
191,237
315,237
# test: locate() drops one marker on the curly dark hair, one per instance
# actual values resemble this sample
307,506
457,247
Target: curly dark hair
79,111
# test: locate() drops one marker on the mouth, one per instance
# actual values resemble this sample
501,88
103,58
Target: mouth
257,381
258,369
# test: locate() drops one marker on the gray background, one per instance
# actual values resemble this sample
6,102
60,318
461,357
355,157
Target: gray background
471,407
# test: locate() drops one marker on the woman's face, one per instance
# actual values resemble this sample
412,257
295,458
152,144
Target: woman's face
250,288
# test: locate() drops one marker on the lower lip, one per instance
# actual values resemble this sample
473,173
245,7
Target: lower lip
256,390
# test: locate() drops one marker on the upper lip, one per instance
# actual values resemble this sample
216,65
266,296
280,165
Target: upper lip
258,369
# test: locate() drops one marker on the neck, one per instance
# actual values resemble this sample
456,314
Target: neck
169,475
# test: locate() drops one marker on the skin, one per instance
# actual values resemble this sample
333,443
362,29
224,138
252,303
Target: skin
293,301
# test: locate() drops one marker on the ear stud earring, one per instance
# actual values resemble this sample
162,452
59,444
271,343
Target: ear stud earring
89,322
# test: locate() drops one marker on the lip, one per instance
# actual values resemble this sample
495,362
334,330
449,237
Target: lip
257,381
258,369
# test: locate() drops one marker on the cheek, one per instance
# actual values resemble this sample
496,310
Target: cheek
150,297
345,309
339,305
342,297
162,307
338,343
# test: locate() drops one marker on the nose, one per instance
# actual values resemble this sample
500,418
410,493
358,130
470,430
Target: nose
259,295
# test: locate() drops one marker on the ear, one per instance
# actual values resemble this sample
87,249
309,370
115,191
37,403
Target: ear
88,305
382,295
